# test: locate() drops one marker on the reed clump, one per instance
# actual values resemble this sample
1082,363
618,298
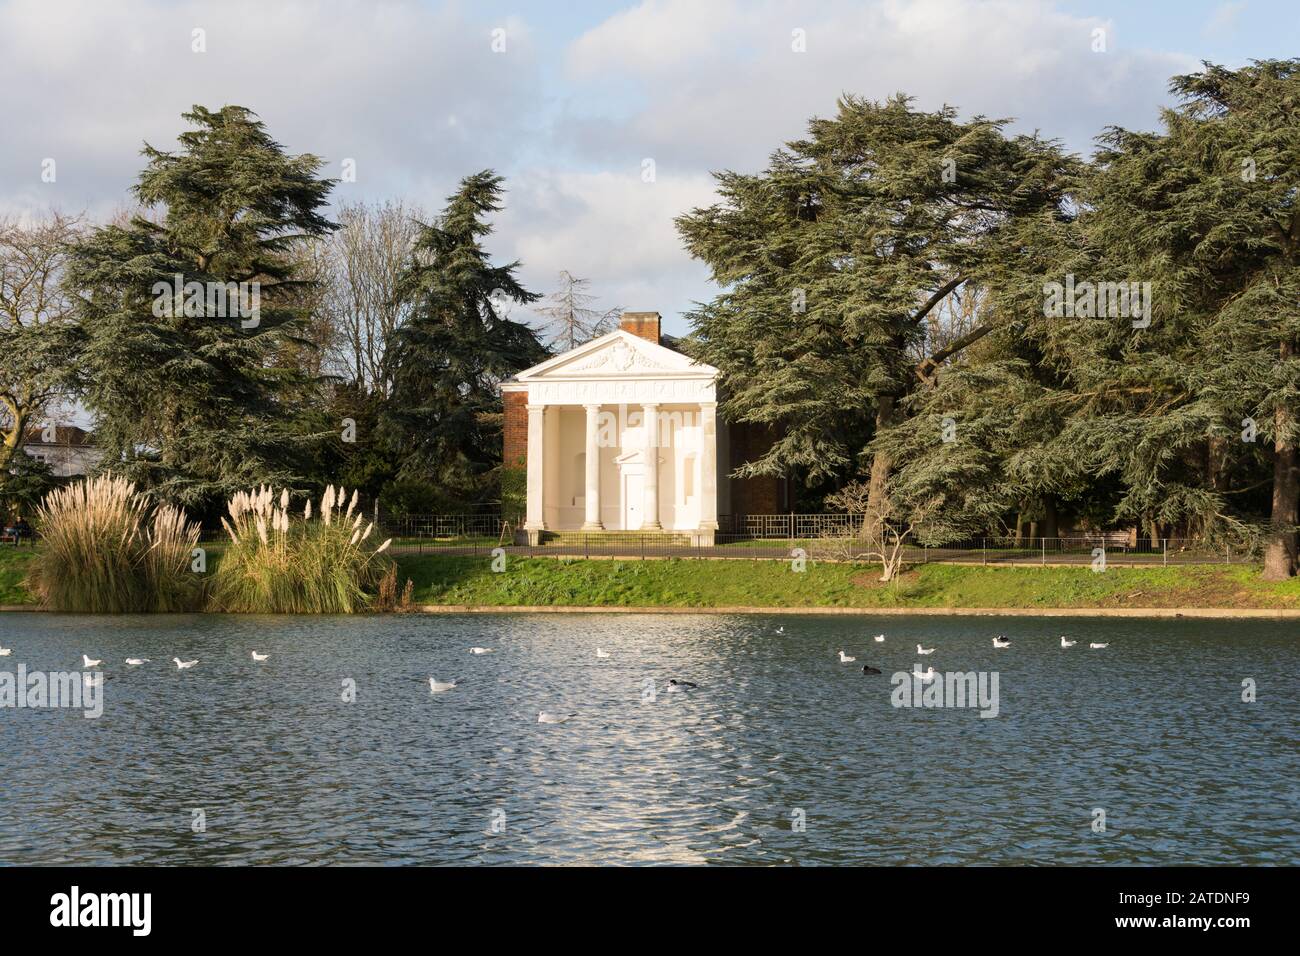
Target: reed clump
105,549
281,563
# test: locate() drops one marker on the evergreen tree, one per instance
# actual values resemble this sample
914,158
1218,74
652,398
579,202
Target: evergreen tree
1207,211
443,417
833,259
193,395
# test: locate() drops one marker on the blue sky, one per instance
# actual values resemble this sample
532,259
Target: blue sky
583,94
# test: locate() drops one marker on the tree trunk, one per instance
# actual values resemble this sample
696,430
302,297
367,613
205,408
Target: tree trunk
1049,517
1280,551
877,489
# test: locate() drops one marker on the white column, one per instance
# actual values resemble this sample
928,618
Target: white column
650,422
534,518
709,466
592,522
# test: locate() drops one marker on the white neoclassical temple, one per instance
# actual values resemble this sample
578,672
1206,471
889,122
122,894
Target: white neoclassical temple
620,434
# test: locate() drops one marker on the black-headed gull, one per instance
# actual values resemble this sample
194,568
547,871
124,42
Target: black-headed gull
547,718
183,665
260,657
845,659
439,686
1065,643
481,650
924,650
927,674
1099,646
1001,642
136,661
87,663
879,638
6,651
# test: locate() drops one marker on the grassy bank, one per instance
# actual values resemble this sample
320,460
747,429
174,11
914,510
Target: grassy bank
691,583
13,569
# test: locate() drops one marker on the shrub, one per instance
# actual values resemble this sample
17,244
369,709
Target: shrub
279,564
103,552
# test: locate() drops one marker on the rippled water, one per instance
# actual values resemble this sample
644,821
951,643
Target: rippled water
1152,730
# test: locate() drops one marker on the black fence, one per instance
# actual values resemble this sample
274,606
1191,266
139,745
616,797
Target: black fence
1096,552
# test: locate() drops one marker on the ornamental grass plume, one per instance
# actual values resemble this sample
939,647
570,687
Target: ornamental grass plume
278,563
105,550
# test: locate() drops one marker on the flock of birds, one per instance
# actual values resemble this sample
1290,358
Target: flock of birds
89,663
1000,642
544,717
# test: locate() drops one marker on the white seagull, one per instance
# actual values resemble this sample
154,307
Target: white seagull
183,665
136,661
601,654
1065,643
927,674
880,638
845,659
6,651
439,686
1001,642
781,629
87,663
93,680
260,657
1099,646
480,650
924,650
546,718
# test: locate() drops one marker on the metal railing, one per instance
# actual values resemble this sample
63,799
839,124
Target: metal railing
1083,551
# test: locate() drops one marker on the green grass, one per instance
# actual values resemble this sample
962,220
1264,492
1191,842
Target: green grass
441,579
13,569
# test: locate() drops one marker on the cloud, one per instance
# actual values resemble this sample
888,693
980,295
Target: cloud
729,87
414,94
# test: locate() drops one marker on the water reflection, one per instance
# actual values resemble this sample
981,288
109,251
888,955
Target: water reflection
1152,729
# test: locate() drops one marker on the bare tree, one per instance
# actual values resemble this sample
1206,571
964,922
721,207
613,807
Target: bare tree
357,267
571,320
36,323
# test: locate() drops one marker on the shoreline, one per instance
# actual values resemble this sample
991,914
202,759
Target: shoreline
1281,614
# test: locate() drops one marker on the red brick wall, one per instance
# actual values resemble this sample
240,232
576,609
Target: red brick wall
753,496
641,324
514,450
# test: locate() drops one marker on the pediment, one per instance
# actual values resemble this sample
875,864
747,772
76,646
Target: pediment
619,354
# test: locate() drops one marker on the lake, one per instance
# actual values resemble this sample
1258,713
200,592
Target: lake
780,755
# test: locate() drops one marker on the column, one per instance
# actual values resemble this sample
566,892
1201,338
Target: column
533,518
650,422
592,522
709,466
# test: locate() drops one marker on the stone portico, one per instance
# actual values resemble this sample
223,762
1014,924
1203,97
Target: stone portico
620,434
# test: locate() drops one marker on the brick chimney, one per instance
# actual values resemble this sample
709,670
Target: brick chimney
644,325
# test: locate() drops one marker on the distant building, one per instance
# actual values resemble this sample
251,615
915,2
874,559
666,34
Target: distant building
69,451
578,423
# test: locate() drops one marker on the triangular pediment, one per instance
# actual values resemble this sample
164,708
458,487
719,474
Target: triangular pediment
619,354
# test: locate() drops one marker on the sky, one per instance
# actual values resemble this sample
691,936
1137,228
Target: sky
570,100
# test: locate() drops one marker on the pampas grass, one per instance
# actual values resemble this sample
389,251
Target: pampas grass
280,564
103,552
